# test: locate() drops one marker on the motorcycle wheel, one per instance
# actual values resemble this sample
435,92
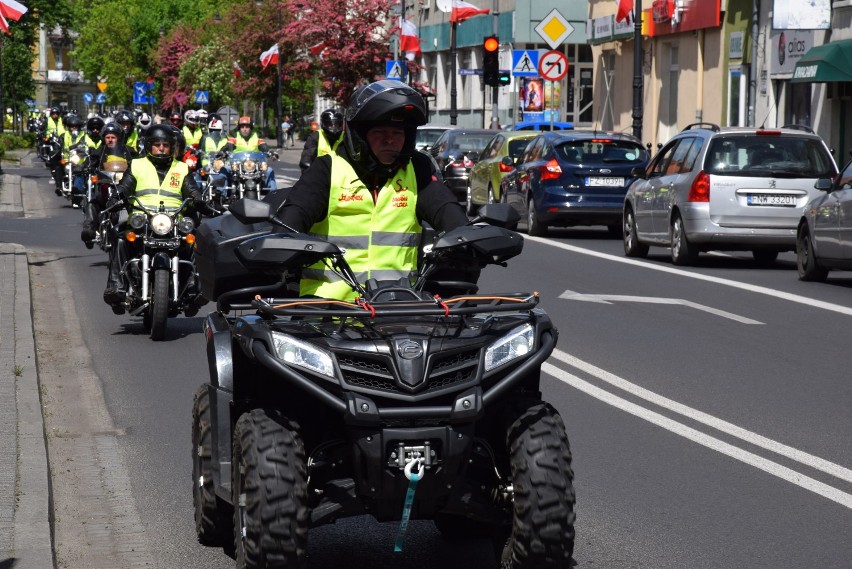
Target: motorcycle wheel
542,534
159,308
269,485
212,518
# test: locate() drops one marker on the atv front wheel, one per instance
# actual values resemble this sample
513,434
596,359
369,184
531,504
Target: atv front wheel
543,508
269,485
212,520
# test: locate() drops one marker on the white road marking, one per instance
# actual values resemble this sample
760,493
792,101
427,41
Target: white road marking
773,468
725,282
610,298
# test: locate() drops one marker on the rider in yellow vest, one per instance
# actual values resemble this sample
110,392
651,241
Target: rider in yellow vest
246,140
128,122
191,131
156,178
325,140
371,196
73,136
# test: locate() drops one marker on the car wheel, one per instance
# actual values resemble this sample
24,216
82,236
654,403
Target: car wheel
764,257
806,261
534,226
683,253
269,486
468,206
632,247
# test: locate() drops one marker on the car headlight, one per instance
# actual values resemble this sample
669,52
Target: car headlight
298,353
161,224
516,344
138,221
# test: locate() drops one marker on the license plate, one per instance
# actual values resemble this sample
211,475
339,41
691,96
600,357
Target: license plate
785,200
604,181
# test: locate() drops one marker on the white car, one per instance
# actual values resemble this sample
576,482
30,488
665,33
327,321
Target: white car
427,135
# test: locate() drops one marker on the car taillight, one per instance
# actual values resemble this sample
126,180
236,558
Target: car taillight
467,162
699,191
768,132
551,170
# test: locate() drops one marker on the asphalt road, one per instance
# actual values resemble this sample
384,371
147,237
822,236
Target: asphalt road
709,408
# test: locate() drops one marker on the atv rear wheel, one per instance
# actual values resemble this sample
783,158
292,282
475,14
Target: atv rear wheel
269,485
543,510
212,520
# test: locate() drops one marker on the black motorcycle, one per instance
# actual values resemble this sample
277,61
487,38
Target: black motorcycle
99,222
159,268
214,180
402,404
248,174
76,166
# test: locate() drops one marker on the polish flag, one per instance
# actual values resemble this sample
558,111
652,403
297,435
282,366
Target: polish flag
318,48
238,71
268,57
460,10
408,40
624,9
10,10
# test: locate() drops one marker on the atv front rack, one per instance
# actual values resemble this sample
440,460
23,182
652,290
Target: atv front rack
360,308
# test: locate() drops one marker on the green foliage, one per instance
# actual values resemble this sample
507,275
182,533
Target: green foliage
208,68
11,141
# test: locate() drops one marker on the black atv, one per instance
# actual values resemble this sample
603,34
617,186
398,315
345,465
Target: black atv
402,404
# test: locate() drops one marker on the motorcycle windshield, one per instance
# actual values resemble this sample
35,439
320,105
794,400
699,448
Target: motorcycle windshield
252,155
113,160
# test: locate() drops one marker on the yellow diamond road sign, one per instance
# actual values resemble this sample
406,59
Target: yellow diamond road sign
554,29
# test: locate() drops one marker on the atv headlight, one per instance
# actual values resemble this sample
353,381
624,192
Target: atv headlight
516,344
302,354
161,224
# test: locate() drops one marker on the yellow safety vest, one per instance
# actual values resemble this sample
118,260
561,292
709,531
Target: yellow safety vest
380,237
68,141
192,136
133,140
55,126
323,146
210,145
93,143
150,191
243,145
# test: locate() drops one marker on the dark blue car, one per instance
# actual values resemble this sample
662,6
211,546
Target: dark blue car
568,178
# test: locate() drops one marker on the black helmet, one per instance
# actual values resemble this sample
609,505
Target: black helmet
160,132
73,121
382,103
331,121
94,125
113,127
126,120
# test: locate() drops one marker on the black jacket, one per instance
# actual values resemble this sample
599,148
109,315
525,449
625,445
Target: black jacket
309,152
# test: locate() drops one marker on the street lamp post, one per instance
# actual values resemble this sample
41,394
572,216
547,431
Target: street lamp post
278,96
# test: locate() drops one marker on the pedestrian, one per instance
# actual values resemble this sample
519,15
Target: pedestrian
291,132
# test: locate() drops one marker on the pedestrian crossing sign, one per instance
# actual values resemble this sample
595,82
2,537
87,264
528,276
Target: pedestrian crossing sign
525,62
202,97
394,70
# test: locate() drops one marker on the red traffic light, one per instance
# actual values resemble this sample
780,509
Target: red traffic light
491,43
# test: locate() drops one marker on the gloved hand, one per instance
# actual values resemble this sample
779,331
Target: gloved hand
205,209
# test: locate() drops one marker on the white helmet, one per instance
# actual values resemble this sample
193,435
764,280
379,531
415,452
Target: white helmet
215,124
144,120
190,118
201,116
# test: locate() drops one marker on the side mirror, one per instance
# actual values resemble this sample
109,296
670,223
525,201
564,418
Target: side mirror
499,214
638,172
508,161
248,211
823,184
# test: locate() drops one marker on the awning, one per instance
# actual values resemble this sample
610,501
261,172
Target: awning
825,63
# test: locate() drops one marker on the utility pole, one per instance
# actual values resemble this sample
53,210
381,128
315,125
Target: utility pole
638,77
278,97
494,90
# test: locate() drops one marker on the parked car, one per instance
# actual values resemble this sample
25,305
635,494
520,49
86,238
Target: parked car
427,135
573,178
712,188
541,125
824,236
456,151
484,180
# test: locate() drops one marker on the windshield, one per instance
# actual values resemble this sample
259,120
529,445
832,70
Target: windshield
602,151
427,137
762,155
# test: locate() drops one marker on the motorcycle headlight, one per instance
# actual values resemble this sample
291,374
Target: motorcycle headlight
298,353
161,224
218,164
263,166
75,158
516,344
249,165
137,221
186,225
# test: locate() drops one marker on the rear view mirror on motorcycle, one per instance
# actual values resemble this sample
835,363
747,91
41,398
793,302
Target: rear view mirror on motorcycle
249,211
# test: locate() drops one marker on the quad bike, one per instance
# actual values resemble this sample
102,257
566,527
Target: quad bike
402,404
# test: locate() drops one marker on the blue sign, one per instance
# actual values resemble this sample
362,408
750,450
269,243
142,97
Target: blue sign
525,62
395,69
30,103
140,93
88,97
202,97
470,71
101,98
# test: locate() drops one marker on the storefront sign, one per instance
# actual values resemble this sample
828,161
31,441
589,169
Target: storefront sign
788,47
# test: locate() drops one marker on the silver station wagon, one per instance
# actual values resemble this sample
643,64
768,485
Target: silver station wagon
735,189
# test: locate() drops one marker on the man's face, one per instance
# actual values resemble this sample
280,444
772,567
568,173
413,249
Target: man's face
386,142
245,129
110,140
161,147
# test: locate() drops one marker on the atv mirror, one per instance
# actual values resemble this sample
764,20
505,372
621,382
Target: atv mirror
499,214
249,211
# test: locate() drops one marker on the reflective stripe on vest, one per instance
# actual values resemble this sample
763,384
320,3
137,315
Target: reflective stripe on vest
151,192
323,147
380,237
243,145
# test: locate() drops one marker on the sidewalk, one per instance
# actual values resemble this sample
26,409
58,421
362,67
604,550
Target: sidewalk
25,532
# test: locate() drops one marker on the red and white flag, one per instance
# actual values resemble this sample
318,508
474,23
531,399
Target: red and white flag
238,71
460,10
625,7
268,57
10,10
318,48
408,40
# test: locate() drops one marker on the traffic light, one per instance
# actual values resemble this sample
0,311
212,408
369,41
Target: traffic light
504,79
491,61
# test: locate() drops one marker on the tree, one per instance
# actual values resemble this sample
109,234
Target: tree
208,68
171,52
